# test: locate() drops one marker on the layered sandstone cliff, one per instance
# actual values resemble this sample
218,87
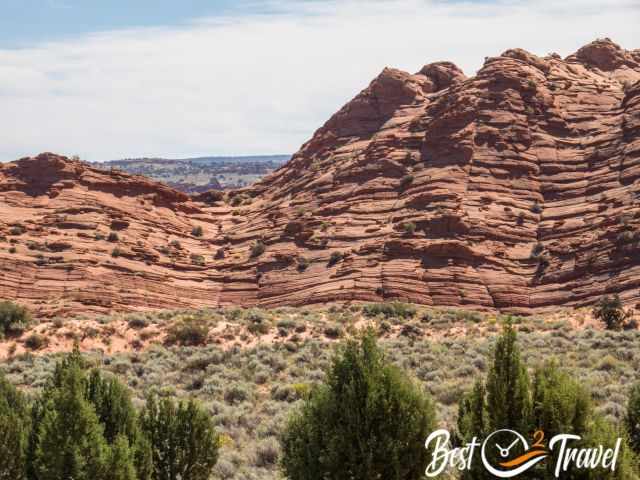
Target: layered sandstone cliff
515,190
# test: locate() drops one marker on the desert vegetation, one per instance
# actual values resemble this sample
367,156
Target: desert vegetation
549,401
83,425
254,371
14,318
368,419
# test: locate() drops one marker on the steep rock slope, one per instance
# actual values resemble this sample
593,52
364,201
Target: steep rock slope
516,190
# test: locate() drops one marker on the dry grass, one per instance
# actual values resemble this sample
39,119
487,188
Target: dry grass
251,377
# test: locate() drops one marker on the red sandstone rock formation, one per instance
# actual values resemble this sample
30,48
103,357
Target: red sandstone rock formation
516,190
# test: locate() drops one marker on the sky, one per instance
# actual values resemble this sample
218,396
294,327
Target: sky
110,79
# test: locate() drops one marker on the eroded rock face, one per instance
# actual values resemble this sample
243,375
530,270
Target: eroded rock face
514,190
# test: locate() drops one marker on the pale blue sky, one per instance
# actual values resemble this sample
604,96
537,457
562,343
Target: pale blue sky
107,79
24,22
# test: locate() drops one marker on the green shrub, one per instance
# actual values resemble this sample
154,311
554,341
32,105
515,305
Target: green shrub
35,341
508,385
410,330
303,264
609,310
632,418
14,431
116,252
188,331
69,442
537,207
236,393
406,181
356,421
197,260
335,258
137,322
389,310
197,231
113,237
258,249
555,402
333,331
258,322
111,400
266,453
14,318
17,230
409,228
183,439
544,260
84,426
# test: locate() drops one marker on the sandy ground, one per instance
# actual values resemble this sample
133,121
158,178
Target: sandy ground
117,335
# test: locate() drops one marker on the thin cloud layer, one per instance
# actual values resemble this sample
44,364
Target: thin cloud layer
260,84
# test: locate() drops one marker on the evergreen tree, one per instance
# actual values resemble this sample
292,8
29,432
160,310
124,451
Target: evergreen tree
561,405
472,413
112,403
183,440
14,427
632,419
69,440
555,403
120,463
85,426
602,432
611,312
508,386
473,421
368,421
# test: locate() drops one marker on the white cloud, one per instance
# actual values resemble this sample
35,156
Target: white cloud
261,83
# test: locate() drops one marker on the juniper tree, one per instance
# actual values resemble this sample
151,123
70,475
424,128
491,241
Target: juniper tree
504,402
368,420
116,413
560,405
508,386
473,421
183,439
69,441
554,403
632,419
121,461
85,427
603,432
611,312
14,428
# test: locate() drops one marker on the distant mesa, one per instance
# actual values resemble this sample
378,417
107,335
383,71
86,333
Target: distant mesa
197,175
516,190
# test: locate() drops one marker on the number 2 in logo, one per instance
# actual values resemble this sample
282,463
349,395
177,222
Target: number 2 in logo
538,440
